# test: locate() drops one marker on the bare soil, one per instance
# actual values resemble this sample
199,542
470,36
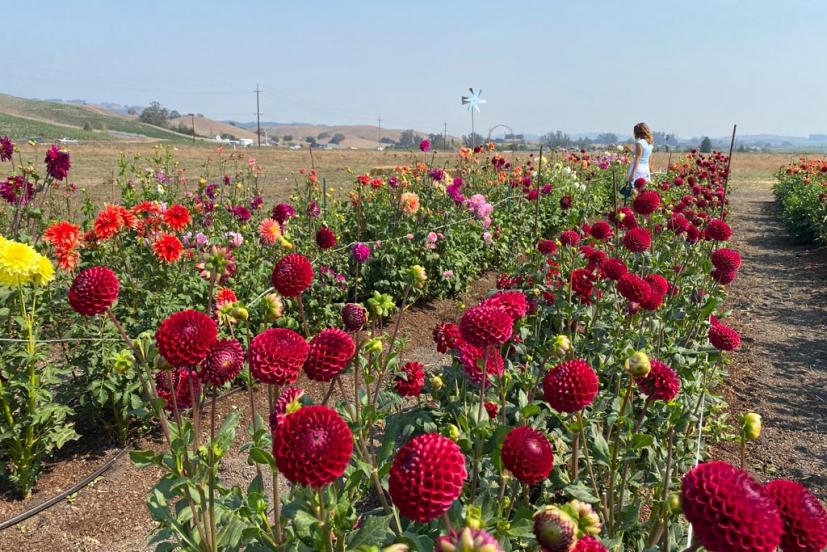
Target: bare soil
780,308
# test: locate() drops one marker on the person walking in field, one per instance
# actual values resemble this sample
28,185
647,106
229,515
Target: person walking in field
642,149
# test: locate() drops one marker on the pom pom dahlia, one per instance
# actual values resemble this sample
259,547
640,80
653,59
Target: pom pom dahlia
569,237
446,335
312,446
223,363
483,325
527,454
292,275
185,338
637,240
330,351
723,337
411,384
729,510
601,230
471,359
717,230
286,403
661,384
613,269
726,259
634,288
325,238
354,316
805,520
276,356
94,290
723,277
646,202
547,247
513,303
589,544
426,477
570,386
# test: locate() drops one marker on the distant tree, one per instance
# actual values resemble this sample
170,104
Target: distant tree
87,126
132,111
557,139
706,145
407,139
323,135
337,138
199,114
274,139
174,114
437,141
473,139
155,114
310,140
287,137
606,138
227,136
386,140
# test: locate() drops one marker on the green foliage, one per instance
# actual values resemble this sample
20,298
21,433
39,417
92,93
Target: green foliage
800,192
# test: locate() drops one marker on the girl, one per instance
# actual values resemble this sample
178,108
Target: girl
642,150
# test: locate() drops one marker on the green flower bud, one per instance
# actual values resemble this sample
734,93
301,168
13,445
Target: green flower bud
436,382
638,365
453,432
674,503
373,345
241,314
418,276
751,426
562,345
123,361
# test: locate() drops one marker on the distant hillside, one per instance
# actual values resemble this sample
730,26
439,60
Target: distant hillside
356,136
51,120
204,126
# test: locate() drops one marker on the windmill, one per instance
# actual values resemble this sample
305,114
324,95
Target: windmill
472,103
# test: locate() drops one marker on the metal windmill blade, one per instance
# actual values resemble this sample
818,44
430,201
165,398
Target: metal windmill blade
473,101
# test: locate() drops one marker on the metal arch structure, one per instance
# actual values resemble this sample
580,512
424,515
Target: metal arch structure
503,125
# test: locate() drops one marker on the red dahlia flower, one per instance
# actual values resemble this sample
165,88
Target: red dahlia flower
330,351
569,237
491,408
589,544
292,275
514,303
289,395
723,337
426,477
325,238
726,259
62,235
646,202
354,316
613,269
717,230
312,446
661,383
276,356
547,247
185,338
282,212
179,380
805,520
483,325
723,277
624,218
411,384
177,217
527,454
658,283
167,247
570,386
445,336
479,540
93,291
601,230
471,358
729,510
57,162
223,363
637,240
634,288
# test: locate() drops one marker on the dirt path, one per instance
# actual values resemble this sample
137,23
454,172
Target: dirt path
780,304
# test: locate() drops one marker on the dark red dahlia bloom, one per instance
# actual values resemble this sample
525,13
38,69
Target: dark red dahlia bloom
678,224
527,454
179,380
6,148
223,363
653,302
634,288
658,283
729,510
723,337
692,234
513,303
637,239
601,230
491,408
288,395
613,269
312,446
717,230
582,284
570,386
185,338
723,277
482,326
57,162
282,212
411,384
354,316
547,247
727,260
94,290
292,275
426,477
325,238
565,202
646,202
569,237
330,351
471,359
661,384
624,218
589,544
445,336
276,356
805,520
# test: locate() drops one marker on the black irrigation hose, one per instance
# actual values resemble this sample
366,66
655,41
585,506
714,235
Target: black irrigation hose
80,484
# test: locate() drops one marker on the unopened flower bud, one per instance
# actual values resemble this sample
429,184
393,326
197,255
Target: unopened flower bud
374,345
751,426
436,382
554,529
453,432
273,307
241,314
638,365
123,361
562,344
674,503
418,276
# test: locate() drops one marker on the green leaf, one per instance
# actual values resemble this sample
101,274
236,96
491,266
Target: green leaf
144,458
304,524
261,456
375,530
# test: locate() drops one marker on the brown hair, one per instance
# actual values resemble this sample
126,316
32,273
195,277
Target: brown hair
642,131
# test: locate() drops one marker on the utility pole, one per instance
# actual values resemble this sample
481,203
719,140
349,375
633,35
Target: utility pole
258,117
445,136
379,134
192,121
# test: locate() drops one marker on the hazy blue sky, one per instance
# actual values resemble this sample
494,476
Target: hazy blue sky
687,67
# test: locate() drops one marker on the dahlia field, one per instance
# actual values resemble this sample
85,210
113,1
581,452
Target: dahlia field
801,192
571,412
